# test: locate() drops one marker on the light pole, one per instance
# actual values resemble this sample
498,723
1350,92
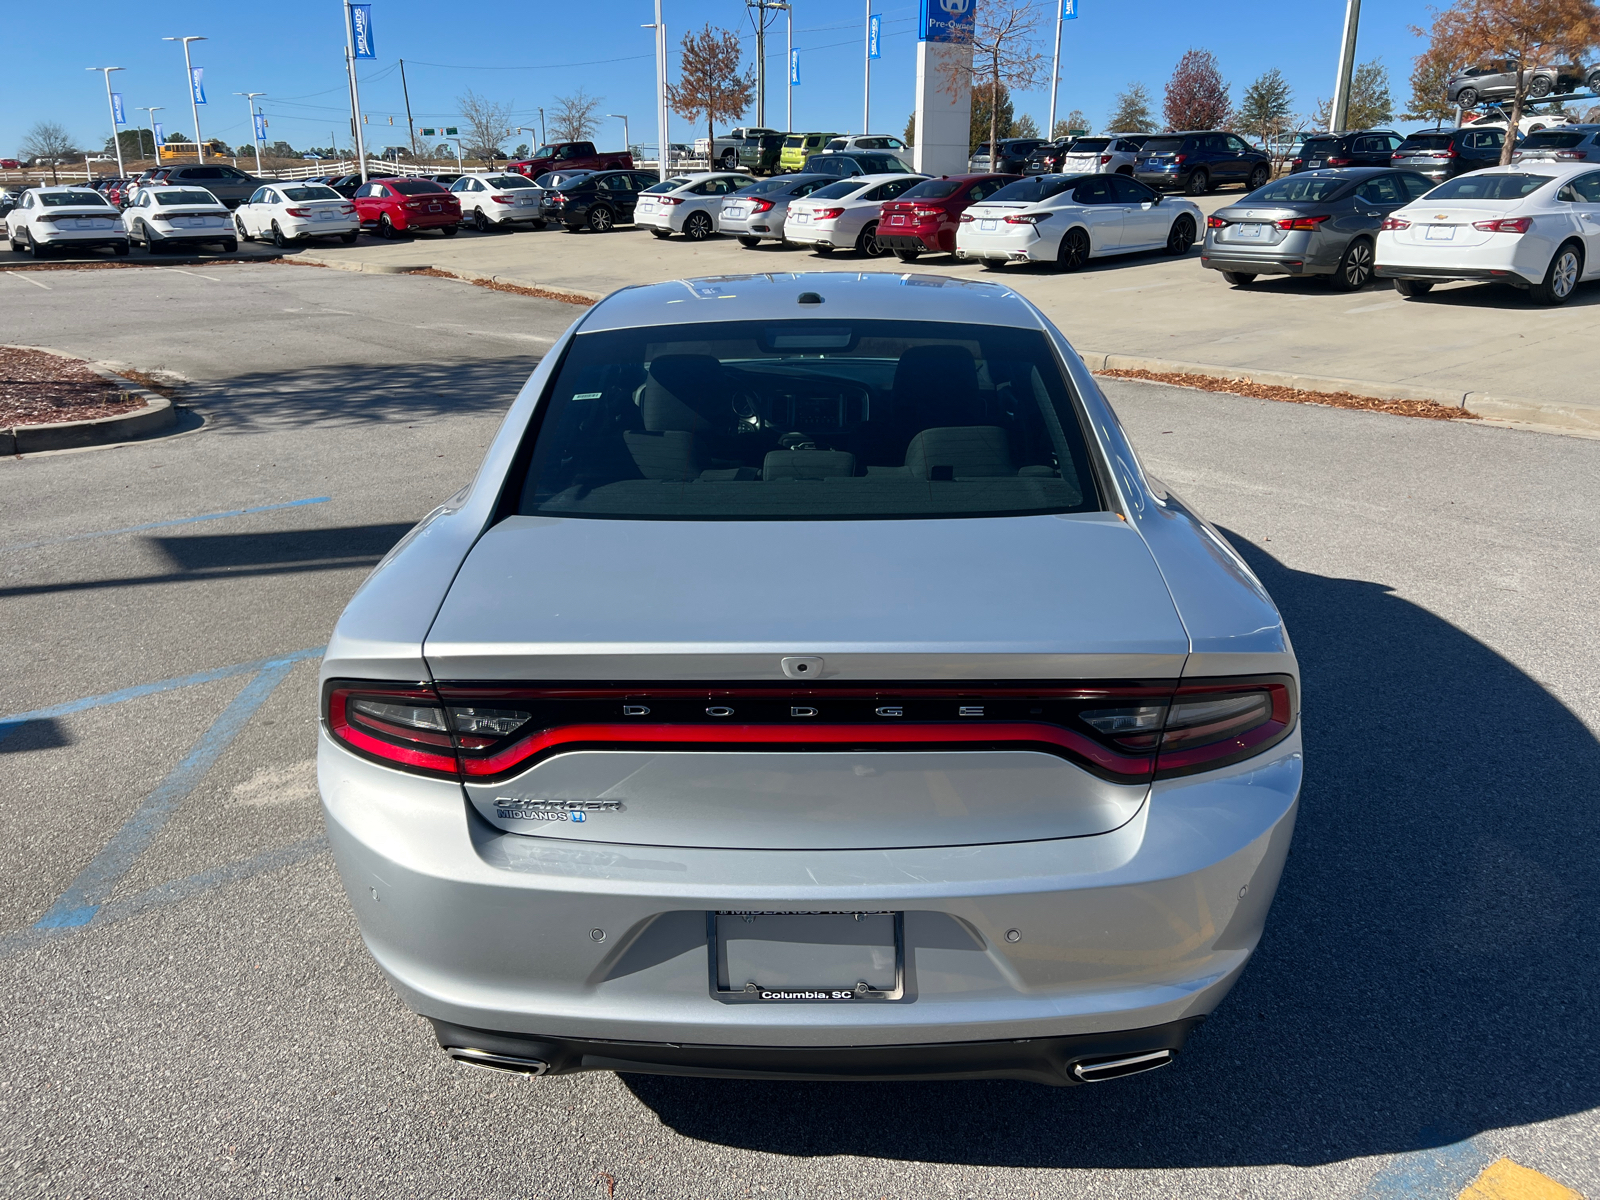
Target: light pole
151,110
866,90
663,152
457,141
524,129
255,139
788,69
627,142
542,138
1340,115
1055,81
194,101
110,104
355,91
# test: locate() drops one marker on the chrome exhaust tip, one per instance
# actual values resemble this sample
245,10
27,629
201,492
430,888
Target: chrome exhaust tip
485,1061
1099,1070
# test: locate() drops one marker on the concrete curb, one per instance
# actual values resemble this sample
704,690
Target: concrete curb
157,414
340,264
1577,419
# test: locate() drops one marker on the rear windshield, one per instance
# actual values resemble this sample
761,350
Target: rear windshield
1549,139
1031,191
1316,146
1488,187
808,420
838,191
795,140
1089,145
71,199
778,183
311,193
509,181
1158,145
1294,188
934,189
1426,141
669,185
414,187
186,196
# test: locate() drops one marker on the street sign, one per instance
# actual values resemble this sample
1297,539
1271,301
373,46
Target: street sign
426,132
361,30
794,68
1069,10
117,114
874,35
197,84
451,131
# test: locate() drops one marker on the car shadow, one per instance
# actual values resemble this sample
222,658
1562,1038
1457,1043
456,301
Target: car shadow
1427,971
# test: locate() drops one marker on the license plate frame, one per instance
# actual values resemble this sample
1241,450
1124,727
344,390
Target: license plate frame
988,224
1253,231
1440,233
725,989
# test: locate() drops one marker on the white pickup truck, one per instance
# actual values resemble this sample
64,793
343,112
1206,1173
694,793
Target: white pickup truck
723,152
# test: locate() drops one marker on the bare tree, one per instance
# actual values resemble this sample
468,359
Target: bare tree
710,83
1197,97
576,118
50,144
1526,32
488,124
1005,55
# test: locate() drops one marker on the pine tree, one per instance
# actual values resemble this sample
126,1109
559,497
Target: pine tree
1073,120
1264,111
1132,114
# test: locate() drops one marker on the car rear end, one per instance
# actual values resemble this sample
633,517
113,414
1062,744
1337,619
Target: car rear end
427,208
758,211
1568,144
514,200
78,219
1294,226
1319,153
189,217
309,212
1432,154
1088,156
814,222
1163,163
818,808
658,205
1474,227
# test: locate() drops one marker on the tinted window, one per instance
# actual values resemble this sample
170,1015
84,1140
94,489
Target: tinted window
202,173
1489,187
1031,191
1588,187
1319,147
72,199
803,420
311,193
670,185
934,189
837,191
1158,145
1385,189
1416,186
1129,191
1294,189
1090,145
1235,145
415,187
185,196
1095,190
891,190
1426,141
508,181
794,142
1549,139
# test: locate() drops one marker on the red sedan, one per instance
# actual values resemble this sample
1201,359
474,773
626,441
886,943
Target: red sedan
924,220
390,207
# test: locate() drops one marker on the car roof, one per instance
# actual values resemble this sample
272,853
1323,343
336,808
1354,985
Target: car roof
63,187
859,295
1353,172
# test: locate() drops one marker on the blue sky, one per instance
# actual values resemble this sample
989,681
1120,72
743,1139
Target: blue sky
529,54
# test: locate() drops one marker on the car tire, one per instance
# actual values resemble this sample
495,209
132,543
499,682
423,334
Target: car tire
1074,250
1128,171
37,249
1467,98
1258,177
349,238
1411,289
697,227
480,222
1593,82
537,225
1539,86
1199,182
1181,236
728,161
867,242
386,229
120,249
663,234
447,230
278,238
238,225
908,256
749,243
229,246
1354,271
822,251
601,219
1560,277
1239,278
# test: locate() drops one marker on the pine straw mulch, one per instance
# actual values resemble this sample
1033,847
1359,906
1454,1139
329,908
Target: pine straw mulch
42,389
1427,409
514,289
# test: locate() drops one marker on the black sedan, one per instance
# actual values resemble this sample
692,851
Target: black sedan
597,200
1315,223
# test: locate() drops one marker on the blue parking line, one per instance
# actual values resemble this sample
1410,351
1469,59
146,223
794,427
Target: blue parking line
1435,1174
9,724
85,894
217,516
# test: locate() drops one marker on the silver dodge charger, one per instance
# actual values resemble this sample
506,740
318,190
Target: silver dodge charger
812,685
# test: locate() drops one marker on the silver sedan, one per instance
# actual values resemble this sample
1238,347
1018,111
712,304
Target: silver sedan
811,684
756,214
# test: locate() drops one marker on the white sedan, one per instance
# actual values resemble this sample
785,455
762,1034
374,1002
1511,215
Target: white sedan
1534,226
687,204
47,219
499,201
844,215
286,213
1069,219
165,218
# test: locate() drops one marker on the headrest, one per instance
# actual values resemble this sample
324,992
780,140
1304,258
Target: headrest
967,452
936,385
686,392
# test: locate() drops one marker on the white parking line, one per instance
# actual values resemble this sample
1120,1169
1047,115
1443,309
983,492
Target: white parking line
1142,287
196,274
1377,307
25,279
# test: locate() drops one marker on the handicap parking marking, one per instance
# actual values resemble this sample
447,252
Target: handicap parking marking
1465,1170
216,516
1506,1180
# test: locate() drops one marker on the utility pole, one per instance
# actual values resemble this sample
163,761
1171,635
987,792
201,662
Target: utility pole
255,134
150,111
355,91
110,104
762,7
194,100
411,128
1340,116
543,141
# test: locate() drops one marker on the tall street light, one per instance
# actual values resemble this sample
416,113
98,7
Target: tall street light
150,111
255,140
627,142
194,101
355,92
663,151
111,105
1339,116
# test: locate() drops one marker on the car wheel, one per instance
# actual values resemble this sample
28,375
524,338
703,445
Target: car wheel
480,222
1128,171
1467,97
536,225
1199,182
447,230
822,251
386,228
1074,250
867,242
1258,177
601,219
1354,271
663,234
1560,278
1181,236
908,255
37,249
1412,288
729,160
120,249
230,245
238,226
697,228
1593,81
749,243
278,239
1539,86
1239,278
349,238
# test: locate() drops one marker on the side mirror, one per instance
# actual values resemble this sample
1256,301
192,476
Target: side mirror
1157,200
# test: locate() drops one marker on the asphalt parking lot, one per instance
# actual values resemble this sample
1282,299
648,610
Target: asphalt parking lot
188,1009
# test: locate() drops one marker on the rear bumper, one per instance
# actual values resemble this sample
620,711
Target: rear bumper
1249,265
1448,273
908,241
1162,179
80,237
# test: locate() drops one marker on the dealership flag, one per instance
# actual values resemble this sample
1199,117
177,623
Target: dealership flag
794,68
261,128
874,27
117,114
1069,10
361,30
197,83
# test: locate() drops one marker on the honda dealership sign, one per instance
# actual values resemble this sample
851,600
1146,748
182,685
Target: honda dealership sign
946,20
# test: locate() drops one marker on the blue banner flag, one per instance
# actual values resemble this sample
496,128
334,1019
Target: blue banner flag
794,68
117,114
197,84
160,133
874,45
361,30
1069,10
261,128
946,21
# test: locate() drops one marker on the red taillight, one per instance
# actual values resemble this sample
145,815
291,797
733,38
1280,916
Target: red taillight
298,212
413,203
1340,162
760,206
1215,223
1395,223
1179,158
967,218
1572,154
1212,724
927,212
347,208
504,199
826,214
1450,151
1510,225
1104,159
670,200
408,726
558,197
1302,222
1027,218
1299,162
